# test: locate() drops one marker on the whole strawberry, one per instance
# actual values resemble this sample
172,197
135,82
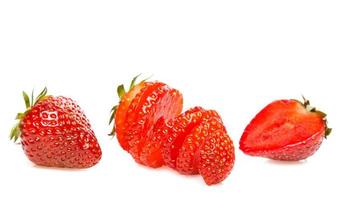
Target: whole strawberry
285,130
54,132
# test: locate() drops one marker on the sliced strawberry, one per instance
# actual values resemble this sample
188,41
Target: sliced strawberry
177,130
121,113
186,160
158,101
197,142
216,154
171,106
151,153
285,130
139,110
155,133
134,118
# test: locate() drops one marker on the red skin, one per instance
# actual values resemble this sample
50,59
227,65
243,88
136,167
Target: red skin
56,133
152,101
159,101
197,142
177,130
186,160
216,155
121,113
284,130
150,154
150,127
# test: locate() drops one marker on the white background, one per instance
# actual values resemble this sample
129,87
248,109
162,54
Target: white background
232,56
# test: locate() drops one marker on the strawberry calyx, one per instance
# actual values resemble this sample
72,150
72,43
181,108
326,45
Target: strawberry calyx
121,92
309,108
29,103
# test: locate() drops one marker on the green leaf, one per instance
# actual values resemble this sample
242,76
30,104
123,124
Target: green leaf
112,116
11,136
121,91
20,116
328,132
305,101
32,96
310,108
113,132
113,113
15,132
132,84
147,78
114,108
321,114
26,99
41,95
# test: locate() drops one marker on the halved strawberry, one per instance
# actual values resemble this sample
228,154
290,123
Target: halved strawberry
285,130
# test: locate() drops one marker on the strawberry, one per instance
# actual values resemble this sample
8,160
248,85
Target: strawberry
151,154
148,125
54,132
177,130
135,122
197,142
285,130
216,154
119,112
185,162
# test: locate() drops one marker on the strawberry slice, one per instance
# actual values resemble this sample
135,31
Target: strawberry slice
186,163
121,113
151,152
197,142
177,130
159,101
216,154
